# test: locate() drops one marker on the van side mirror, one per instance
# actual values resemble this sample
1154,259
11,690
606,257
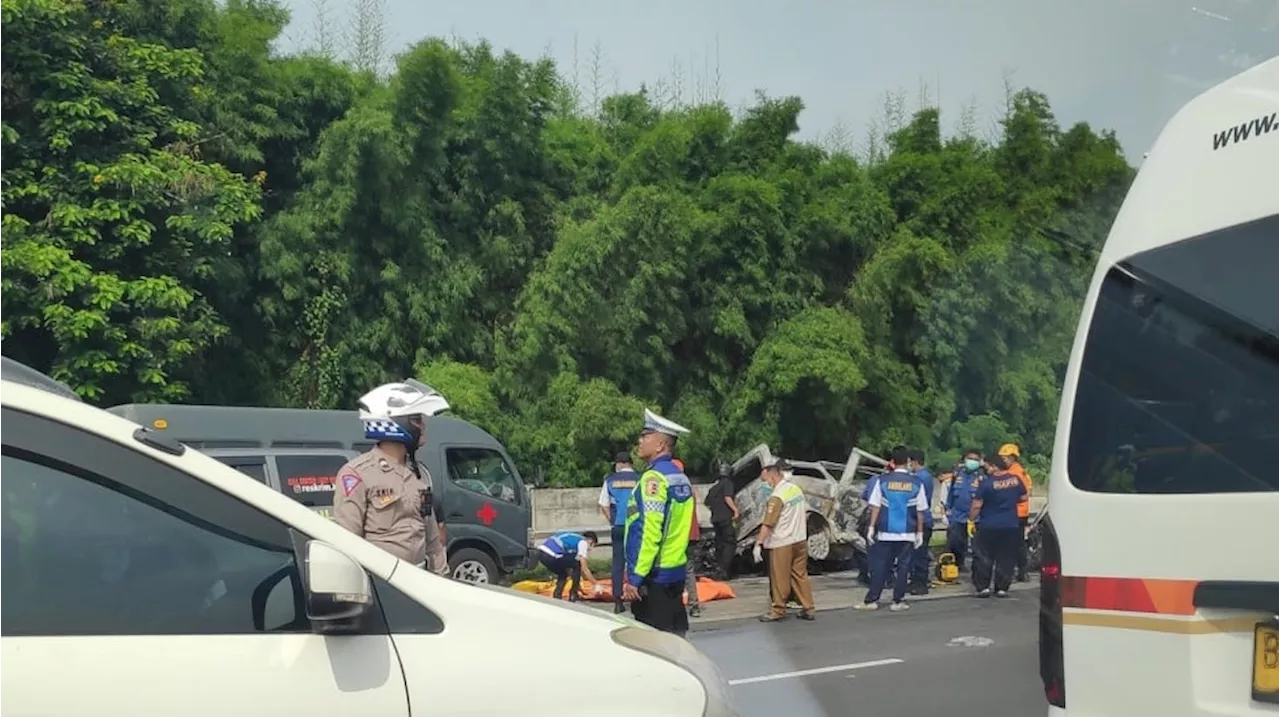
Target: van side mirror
338,589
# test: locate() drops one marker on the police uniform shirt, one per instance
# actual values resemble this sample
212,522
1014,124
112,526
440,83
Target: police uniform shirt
380,499
1000,495
900,498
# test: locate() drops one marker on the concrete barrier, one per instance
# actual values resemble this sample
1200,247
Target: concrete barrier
556,509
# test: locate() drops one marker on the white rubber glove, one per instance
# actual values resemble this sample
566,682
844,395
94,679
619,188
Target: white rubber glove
599,589
919,540
758,553
871,536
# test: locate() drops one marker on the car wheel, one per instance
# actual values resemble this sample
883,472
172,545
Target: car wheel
819,544
471,565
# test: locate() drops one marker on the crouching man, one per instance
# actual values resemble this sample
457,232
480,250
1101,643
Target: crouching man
565,555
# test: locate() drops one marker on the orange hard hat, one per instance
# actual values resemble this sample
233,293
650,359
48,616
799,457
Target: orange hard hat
1009,449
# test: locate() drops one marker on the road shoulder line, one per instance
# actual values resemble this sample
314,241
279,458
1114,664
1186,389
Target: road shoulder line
815,671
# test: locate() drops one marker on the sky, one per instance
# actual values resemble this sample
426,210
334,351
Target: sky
1125,65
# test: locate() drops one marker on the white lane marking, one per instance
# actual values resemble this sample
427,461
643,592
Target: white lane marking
814,671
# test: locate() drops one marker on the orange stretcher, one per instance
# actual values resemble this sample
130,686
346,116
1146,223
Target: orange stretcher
602,591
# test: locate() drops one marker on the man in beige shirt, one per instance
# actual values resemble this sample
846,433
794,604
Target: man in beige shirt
783,533
384,495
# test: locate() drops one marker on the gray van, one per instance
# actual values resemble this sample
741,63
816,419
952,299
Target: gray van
485,503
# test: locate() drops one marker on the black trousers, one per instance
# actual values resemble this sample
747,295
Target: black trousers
920,558
996,552
1022,548
563,568
958,542
726,541
661,606
618,538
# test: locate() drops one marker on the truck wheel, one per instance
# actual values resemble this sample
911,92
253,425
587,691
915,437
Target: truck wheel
471,565
819,544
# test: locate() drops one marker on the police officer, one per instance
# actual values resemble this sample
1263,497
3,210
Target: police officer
659,517
999,536
614,494
964,482
383,495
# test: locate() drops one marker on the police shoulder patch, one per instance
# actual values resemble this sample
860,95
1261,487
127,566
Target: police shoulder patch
650,486
349,481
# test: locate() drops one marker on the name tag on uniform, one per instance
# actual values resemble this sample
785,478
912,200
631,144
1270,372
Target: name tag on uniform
382,497
900,485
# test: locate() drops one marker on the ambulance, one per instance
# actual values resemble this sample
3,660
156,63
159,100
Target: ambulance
1161,568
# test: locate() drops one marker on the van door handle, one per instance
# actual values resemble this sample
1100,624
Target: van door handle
456,515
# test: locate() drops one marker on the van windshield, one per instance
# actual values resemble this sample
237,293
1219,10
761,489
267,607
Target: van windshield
1178,385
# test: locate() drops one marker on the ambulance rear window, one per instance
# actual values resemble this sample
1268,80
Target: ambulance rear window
1178,385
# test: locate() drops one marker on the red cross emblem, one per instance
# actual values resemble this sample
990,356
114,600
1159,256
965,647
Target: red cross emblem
486,514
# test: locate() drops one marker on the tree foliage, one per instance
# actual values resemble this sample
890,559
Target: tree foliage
188,215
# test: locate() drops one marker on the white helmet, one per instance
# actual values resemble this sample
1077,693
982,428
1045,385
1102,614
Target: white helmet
386,410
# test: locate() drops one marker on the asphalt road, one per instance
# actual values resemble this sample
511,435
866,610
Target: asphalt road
887,664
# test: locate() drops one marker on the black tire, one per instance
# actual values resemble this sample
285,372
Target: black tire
472,565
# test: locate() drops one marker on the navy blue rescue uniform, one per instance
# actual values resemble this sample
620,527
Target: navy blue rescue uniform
999,536
615,493
959,498
900,498
920,558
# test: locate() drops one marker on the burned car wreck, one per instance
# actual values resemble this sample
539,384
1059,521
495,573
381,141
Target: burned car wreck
834,495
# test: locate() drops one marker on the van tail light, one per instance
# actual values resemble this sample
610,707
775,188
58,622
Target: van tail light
1051,667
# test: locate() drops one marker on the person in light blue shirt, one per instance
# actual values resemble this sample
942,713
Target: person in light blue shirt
919,582
897,502
614,494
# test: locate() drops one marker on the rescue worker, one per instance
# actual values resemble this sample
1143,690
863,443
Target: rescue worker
919,576
896,501
783,534
384,495
964,483
1009,459
614,494
724,516
565,555
657,530
995,509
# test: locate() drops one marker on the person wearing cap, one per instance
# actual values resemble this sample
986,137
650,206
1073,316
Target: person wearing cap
783,533
897,527
384,495
1009,459
724,514
614,494
995,510
659,519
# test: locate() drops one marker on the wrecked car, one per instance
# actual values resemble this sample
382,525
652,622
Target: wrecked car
834,495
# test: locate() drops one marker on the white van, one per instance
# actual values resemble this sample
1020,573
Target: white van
1161,567
143,578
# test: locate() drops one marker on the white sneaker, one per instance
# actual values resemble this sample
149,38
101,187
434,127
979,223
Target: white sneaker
899,607
866,606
